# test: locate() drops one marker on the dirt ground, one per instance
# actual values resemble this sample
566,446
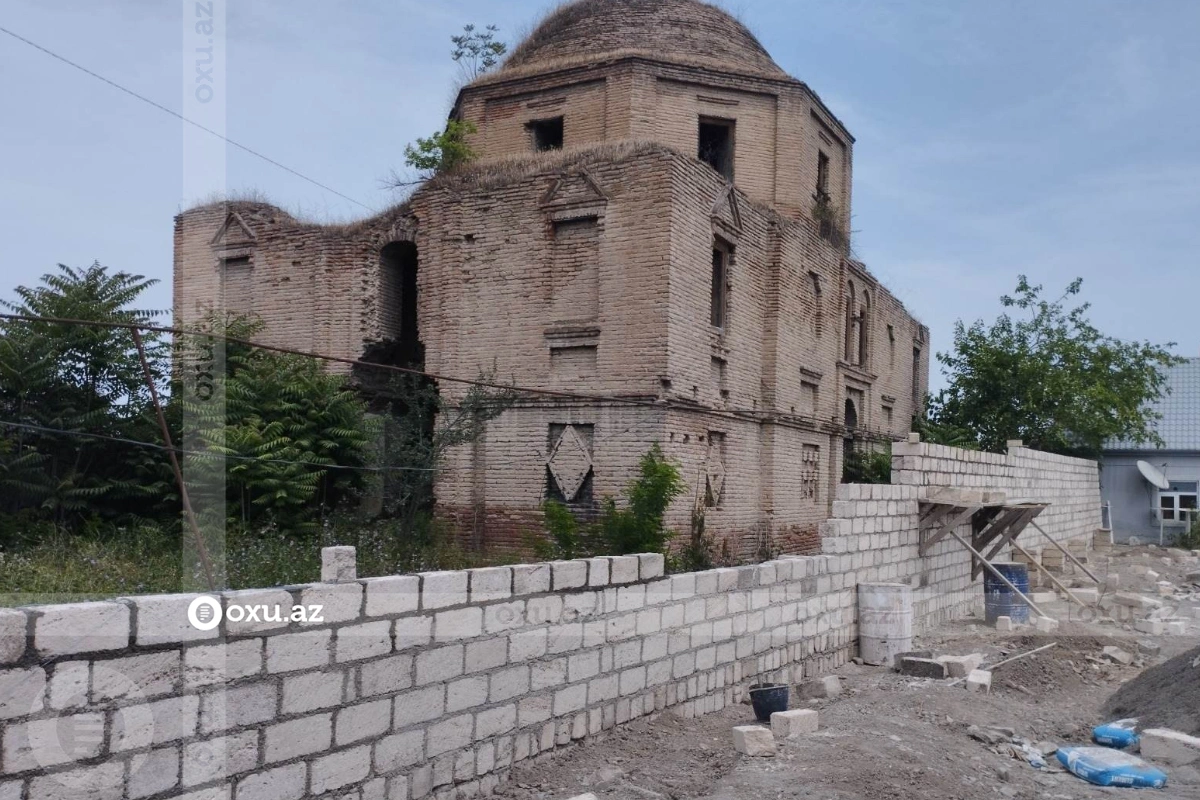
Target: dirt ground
891,736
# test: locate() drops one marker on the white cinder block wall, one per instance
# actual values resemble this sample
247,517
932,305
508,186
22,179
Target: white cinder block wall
436,684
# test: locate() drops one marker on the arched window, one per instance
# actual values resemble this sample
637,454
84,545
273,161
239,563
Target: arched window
851,323
818,304
864,330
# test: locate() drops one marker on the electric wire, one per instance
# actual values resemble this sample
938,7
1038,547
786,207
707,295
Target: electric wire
181,117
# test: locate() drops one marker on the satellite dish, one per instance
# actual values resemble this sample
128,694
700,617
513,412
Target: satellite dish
1152,474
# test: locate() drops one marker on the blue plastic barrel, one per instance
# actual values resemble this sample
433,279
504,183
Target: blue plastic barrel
999,600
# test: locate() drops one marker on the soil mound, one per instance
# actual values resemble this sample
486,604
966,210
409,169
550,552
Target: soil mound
1166,696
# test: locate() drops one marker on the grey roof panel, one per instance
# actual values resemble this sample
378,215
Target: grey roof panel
1180,409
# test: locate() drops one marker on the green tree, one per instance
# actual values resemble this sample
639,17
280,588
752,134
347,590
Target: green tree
444,151
86,381
293,439
477,51
1050,378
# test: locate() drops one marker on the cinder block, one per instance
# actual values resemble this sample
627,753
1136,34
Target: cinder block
753,740
818,688
422,705
298,737
70,683
793,723
1088,596
961,666
1045,624
219,663
41,743
339,564
274,610
449,734
280,783
531,579
363,721
365,640
332,772
82,628
568,574
339,602
385,675
13,634
395,594
287,652
22,692
980,680
598,572
490,583
412,632
312,690
1004,623
153,772
443,589
399,751
923,668
102,782
1170,747
651,565
238,706
624,569
141,676
1154,627
1177,628
460,623
166,720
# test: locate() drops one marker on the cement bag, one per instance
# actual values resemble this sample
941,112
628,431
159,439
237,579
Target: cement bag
1119,734
1105,767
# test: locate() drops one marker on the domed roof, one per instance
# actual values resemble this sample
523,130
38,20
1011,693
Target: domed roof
681,31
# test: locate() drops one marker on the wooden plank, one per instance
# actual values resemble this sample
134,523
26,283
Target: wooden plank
959,518
1017,521
1047,573
1066,552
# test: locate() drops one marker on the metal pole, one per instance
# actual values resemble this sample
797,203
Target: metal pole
998,574
166,433
1065,552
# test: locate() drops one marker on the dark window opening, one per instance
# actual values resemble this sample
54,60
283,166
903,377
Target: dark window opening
547,134
918,400
720,279
716,145
399,301
241,262
822,195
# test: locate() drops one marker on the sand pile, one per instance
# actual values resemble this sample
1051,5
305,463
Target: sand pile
1166,696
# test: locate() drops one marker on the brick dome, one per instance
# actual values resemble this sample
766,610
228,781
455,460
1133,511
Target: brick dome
681,31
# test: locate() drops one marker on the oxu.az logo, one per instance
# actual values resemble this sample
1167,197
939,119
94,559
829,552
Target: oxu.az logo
205,613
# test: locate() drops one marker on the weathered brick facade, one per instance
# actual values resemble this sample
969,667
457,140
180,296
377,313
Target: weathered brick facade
723,320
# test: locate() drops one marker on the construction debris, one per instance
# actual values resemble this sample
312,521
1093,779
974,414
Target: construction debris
754,740
923,668
794,723
980,680
961,666
897,661
820,688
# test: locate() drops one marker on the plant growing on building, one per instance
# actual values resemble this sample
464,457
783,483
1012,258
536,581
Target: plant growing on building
638,526
1050,378
444,151
867,466
477,51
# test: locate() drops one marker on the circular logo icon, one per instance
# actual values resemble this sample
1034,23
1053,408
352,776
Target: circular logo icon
204,613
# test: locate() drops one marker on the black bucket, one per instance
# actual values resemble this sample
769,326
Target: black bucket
767,698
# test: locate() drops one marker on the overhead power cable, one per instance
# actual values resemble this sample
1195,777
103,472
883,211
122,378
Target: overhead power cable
205,454
180,117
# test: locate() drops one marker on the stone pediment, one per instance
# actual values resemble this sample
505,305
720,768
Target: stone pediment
575,189
234,233
727,212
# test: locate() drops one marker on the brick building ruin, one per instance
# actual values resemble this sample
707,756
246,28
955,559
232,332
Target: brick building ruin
657,213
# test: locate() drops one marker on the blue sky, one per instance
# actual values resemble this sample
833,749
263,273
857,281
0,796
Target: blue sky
1055,138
